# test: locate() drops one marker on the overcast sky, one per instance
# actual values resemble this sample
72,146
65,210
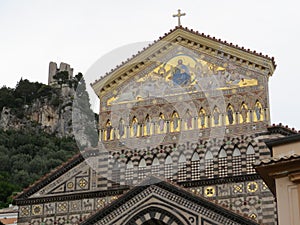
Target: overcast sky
35,32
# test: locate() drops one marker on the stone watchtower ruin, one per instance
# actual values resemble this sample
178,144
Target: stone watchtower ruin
53,70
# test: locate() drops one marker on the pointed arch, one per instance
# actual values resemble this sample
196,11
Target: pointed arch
168,160
134,127
230,115
216,116
209,168
169,168
175,121
142,169
155,167
129,165
236,162
182,158
161,123
250,159
182,168
258,111
250,150
195,164
195,157
244,117
121,128
208,155
147,125
188,120
142,163
155,162
129,173
236,152
222,164
108,132
222,153
202,118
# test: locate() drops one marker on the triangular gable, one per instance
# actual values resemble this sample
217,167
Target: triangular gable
158,200
188,39
73,176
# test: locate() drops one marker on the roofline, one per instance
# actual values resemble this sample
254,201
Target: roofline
265,61
273,168
166,185
283,140
54,174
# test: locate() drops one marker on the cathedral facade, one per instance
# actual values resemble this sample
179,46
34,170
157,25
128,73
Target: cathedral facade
181,124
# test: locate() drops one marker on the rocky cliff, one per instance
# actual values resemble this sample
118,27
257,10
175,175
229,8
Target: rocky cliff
53,116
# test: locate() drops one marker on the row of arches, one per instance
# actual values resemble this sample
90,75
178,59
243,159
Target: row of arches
158,124
196,167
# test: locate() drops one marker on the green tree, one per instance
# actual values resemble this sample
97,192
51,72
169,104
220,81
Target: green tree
5,160
61,77
6,97
6,189
22,178
20,162
27,90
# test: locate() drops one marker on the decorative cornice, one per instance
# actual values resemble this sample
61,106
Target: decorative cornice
284,140
273,168
71,197
54,174
193,39
153,183
216,181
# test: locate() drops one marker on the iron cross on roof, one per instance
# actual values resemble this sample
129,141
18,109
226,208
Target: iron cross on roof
179,14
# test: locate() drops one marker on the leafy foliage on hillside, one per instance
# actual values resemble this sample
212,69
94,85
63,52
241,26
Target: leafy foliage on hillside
26,92
28,155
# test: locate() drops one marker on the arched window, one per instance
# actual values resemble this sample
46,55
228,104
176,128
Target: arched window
244,113
188,120
147,125
182,168
209,167
195,164
202,117
175,122
121,128
108,130
134,127
129,173
115,174
258,111
155,167
236,162
250,159
161,123
222,163
169,168
216,116
142,169
230,115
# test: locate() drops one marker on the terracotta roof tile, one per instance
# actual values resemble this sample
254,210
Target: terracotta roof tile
9,220
284,127
276,159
